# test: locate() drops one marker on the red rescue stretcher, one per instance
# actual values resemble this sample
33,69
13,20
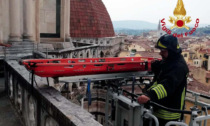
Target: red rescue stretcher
87,66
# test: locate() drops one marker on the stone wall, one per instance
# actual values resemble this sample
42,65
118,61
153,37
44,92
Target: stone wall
47,16
39,104
24,20
4,20
108,46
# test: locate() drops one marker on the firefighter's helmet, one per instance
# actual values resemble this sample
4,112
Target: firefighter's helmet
168,42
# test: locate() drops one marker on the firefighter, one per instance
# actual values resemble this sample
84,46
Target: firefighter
170,80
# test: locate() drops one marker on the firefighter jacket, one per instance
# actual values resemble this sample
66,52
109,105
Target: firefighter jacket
169,86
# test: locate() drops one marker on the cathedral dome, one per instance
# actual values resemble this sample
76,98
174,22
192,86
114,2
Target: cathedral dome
89,18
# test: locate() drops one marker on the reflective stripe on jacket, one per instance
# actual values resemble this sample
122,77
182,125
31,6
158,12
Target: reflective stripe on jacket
169,87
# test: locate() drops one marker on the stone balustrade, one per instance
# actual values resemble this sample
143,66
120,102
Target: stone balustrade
39,104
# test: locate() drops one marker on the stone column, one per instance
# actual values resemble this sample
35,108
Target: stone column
82,103
70,87
28,20
1,17
67,20
14,7
70,55
78,85
63,20
37,21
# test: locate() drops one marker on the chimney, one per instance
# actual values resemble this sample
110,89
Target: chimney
192,75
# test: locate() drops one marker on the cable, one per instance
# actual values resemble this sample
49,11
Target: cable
169,109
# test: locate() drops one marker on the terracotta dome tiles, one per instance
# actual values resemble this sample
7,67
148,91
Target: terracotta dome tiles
89,18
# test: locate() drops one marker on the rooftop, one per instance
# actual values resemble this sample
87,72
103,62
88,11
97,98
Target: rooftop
149,54
196,86
89,18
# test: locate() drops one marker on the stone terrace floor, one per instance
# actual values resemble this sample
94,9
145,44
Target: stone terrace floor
8,116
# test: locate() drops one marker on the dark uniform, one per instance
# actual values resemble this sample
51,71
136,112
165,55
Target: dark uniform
170,80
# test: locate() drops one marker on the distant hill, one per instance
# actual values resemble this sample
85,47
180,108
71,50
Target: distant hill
130,31
135,25
141,25
132,27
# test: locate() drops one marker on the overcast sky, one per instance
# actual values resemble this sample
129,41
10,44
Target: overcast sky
153,10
